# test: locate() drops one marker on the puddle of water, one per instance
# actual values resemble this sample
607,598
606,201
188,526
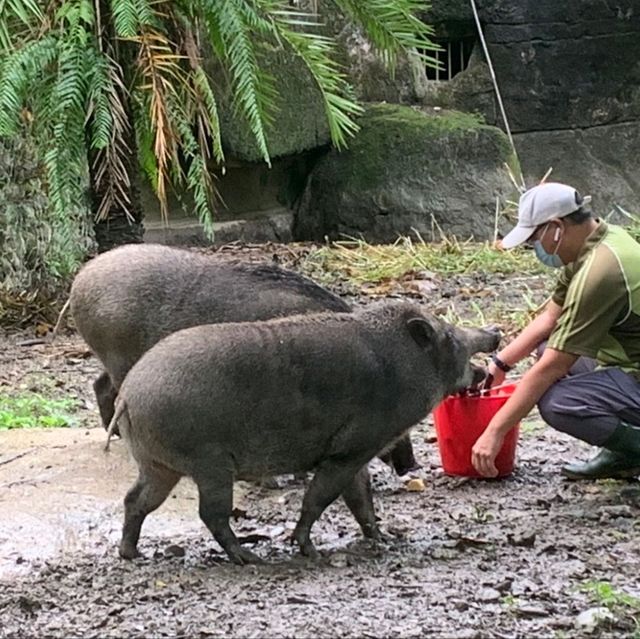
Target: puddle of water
65,496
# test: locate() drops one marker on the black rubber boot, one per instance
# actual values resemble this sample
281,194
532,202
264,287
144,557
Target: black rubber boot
619,459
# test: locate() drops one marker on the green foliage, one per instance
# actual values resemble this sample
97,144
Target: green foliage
95,76
31,410
630,221
617,601
604,593
40,249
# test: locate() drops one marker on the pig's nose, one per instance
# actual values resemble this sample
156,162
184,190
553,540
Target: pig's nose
495,334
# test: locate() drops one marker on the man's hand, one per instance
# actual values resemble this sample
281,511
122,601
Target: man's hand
485,451
495,377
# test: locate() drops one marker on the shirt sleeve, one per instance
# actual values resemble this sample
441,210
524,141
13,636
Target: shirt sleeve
594,299
562,285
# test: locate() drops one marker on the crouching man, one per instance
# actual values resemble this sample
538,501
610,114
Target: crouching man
586,381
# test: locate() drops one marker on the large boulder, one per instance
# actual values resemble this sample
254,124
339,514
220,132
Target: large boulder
471,91
371,79
299,124
409,170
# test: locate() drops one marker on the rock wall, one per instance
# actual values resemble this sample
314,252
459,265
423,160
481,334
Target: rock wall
565,65
569,75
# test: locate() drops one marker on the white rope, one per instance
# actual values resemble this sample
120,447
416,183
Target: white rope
495,84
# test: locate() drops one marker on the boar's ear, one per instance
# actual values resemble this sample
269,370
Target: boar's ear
422,331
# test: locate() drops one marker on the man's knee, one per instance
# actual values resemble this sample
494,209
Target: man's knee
556,412
568,416
547,407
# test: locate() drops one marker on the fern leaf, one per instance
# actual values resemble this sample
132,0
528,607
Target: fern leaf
18,73
317,52
131,16
392,26
254,90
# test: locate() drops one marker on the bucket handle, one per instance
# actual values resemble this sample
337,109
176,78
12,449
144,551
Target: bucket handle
483,393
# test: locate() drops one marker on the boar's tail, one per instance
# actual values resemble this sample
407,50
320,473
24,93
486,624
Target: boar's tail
63,312
120,407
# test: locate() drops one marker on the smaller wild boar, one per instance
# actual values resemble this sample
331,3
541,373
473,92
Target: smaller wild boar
126,300
323,392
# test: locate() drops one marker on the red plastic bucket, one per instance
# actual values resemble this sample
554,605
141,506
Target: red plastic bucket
461,420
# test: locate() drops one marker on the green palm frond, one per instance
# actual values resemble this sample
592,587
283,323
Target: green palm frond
207,114
199,178
229,25
66,155
16,18
318,53
18,74
392,27
144,137
131,16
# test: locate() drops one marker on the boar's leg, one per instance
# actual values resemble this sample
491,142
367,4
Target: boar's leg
357,495
401,456
150,490
215,490
331,479
105,396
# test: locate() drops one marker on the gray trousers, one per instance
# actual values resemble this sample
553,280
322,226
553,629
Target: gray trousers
589,404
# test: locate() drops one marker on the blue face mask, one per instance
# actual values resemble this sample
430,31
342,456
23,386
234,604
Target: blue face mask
548,259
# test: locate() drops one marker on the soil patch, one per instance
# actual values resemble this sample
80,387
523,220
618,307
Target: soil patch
463,558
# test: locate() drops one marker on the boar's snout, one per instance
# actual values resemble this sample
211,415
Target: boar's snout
484,340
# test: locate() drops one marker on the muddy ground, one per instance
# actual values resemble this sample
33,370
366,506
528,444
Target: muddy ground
518,557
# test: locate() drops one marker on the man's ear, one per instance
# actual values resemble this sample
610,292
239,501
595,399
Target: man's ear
422,332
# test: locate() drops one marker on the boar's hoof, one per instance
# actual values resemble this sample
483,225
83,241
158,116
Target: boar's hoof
242,556
401,471
305,544
128,551
371,531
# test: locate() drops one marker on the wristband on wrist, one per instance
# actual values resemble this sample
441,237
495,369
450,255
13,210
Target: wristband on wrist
505,368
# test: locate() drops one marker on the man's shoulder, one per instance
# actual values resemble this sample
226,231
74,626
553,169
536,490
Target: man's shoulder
619,237
624,248
601,270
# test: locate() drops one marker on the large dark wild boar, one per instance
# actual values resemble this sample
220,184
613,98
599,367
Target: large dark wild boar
322,392
126,300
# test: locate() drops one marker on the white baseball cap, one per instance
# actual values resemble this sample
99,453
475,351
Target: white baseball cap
541,204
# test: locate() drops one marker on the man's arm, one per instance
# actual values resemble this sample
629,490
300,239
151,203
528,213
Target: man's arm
548,369
537,331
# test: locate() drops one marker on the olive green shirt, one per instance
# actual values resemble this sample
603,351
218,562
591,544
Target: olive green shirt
600,298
